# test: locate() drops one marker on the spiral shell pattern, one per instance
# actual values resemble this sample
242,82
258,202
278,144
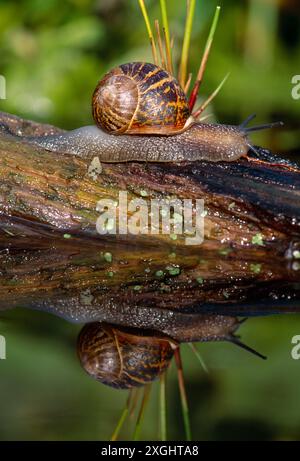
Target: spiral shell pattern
138,98
121,357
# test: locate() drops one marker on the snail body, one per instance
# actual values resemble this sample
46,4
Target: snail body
201,141
123,357
142,114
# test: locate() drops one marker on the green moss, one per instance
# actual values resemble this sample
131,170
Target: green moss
108,257
173,270
255,268
137,288
258,239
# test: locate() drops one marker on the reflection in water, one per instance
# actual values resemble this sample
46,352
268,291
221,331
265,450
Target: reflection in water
142,297
136,320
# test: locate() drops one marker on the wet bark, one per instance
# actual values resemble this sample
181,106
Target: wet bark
52,257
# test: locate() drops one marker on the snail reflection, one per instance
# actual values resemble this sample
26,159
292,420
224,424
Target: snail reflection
124,357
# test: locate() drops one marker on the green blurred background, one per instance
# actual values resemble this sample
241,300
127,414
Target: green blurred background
53,53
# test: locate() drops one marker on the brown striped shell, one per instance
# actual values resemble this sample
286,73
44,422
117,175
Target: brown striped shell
123,357
138,98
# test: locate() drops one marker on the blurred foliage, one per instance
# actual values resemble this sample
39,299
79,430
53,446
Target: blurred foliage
52,55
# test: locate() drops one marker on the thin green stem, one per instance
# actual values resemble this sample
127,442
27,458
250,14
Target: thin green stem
160,45
188,84
199,357
135,395
163,408
122,419
165,23
211,35
183,396
141,414
182,75
203,106
149,30
204,60
119,425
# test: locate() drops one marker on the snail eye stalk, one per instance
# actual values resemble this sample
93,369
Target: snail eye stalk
235,340
265,126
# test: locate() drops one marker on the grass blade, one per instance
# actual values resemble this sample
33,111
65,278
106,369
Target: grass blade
188,84
163,408
199,357
204,60
149,30
119,425
165,24
160,45
141,414
135,395
199,111
182,75
123,417
183,397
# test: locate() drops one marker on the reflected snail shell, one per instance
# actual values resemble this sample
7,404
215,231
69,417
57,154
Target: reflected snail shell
121,357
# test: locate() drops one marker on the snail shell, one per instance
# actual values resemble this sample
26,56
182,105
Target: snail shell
140,98
123,357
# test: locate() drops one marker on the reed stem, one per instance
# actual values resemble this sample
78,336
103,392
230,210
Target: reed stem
165,23
123,417
182,75
160,45
149,30
183,396
135,395
203,106
163,408
199,357
141,414
188,84
203,64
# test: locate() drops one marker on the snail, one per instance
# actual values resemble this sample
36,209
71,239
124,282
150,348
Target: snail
123,357
142,114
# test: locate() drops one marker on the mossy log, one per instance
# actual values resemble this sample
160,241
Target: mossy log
52,257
